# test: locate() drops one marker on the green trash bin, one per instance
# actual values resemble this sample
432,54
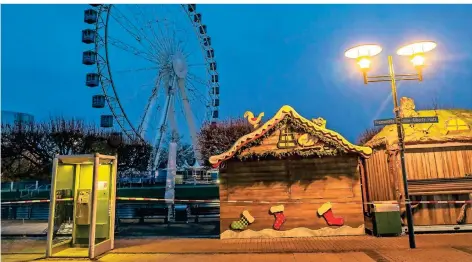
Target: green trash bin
387,219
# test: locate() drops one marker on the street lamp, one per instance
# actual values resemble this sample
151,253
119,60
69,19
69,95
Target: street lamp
415,51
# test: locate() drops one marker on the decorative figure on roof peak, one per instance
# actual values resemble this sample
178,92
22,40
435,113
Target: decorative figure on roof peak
407,107
254,121
319,121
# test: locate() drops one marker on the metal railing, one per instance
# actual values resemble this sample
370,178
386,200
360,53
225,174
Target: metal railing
40,211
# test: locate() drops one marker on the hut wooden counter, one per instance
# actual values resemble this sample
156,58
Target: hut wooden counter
291,177
439,166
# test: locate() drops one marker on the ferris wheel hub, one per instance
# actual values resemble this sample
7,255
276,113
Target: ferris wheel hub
179,65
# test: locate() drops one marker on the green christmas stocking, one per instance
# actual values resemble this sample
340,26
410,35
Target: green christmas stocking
243,222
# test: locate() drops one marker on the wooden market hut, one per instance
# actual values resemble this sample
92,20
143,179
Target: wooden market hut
438,162
291,177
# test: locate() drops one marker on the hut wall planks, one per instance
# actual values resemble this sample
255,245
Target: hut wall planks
380,184
438,163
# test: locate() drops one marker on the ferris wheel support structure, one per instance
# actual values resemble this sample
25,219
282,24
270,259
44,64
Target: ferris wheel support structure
190,121
149,105
162,125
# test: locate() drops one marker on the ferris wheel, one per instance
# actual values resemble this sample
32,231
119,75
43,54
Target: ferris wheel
157,71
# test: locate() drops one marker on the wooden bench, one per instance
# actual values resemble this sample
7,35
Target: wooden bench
143,212
205,209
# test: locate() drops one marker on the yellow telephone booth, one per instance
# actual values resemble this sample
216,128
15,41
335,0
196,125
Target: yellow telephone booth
82,207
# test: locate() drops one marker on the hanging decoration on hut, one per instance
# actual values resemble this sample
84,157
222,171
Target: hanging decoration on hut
278,212
254,121
307,140
301,128
245,220
326,211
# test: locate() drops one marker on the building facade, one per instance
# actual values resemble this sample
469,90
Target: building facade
13,118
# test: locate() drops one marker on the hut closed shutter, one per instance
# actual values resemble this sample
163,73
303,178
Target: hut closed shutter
251,180
322,178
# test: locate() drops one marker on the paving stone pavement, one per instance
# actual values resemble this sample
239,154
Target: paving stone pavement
431,248
428,255
328,257
288,245
418,255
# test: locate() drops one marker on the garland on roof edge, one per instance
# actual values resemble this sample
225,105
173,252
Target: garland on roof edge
299,128
302,128
306,152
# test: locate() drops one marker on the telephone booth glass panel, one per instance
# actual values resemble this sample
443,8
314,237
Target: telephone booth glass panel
83,204
102,228
64,206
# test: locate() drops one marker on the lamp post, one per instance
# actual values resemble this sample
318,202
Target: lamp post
416,51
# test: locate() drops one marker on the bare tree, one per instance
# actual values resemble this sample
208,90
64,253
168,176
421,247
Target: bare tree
216,138
28,150
25,151
133,155
367,135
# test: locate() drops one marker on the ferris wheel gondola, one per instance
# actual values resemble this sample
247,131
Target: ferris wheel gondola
156,58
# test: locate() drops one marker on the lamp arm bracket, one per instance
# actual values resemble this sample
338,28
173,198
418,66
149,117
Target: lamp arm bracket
375,80
398,77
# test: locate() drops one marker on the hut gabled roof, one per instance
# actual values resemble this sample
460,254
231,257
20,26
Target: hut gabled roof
454,125
288,112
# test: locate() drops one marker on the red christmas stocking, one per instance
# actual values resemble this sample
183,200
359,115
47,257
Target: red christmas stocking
278,212
326,211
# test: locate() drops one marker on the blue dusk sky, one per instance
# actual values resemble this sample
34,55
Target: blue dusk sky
268,56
